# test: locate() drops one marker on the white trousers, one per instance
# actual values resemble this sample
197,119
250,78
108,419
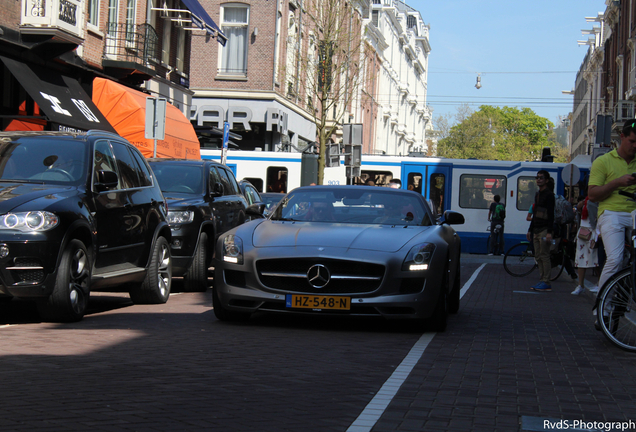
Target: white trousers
612,226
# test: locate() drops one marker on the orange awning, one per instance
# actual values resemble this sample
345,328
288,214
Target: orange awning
125,110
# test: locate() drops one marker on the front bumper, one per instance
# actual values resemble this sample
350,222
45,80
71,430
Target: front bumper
30,269
397,295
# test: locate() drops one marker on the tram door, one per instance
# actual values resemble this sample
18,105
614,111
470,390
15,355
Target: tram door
433,181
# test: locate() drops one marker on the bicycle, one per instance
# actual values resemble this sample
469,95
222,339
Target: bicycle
616,304
519,259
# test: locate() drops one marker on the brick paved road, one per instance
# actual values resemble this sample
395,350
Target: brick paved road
508,357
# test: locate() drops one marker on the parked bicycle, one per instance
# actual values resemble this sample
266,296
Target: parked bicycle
615,303
519,259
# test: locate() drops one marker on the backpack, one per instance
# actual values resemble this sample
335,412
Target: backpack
563,212
500,212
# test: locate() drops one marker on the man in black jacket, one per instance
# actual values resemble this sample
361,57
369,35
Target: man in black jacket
540,231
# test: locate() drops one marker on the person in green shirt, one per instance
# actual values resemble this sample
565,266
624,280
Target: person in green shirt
610,173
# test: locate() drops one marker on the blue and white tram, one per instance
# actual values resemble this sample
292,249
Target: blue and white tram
464,185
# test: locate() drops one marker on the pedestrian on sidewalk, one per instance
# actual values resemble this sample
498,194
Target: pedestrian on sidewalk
496,216
586,254
540,230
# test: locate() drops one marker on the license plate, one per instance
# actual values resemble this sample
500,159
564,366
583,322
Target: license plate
317,302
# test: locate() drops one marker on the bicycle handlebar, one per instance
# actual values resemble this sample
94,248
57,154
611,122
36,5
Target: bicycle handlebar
630,195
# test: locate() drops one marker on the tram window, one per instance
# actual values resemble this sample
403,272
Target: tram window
256,182
414,182
436,192
526,190
478,191
380,178
277,179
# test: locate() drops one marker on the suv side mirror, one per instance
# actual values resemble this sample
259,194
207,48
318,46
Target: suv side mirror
106,180
217,190
256,209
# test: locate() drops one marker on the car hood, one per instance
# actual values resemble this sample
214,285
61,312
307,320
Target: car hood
367,237
180,200
13,195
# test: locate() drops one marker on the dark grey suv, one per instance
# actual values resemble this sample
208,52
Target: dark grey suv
79,212
204,201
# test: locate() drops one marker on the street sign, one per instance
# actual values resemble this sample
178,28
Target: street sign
570,174
155,120
226,140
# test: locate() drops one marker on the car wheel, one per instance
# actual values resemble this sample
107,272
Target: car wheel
453,298
196,278
155,288
223,314
437,322
69,299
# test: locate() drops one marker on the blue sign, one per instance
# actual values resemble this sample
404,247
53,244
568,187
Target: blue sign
226,134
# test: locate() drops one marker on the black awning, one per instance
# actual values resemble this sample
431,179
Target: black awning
62,98
201,19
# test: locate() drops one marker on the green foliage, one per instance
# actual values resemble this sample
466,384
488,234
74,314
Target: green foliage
501,133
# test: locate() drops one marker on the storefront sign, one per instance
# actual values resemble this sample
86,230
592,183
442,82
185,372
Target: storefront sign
275,119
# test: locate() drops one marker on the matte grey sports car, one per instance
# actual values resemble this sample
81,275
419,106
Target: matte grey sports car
347,250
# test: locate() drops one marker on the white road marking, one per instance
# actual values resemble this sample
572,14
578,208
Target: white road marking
374,410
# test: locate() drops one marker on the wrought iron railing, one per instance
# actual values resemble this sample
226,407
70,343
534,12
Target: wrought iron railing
137,43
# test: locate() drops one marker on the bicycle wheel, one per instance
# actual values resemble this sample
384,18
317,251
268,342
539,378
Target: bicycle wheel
557,262
617,308
519,260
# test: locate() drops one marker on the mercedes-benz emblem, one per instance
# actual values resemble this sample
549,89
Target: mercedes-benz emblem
318,276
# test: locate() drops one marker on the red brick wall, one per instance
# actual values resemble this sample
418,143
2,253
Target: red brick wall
260,55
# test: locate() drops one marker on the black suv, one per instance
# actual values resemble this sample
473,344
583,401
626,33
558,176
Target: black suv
204,201
79,212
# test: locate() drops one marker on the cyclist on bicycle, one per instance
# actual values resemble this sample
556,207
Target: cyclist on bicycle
540,231
610,172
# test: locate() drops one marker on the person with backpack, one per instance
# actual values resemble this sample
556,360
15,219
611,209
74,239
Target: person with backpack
540,230
496,216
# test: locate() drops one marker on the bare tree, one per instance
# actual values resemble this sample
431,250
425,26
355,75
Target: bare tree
331,69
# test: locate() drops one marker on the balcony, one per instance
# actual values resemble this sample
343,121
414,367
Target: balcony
47,22
131,51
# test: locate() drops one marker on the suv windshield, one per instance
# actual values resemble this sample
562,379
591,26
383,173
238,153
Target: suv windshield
178,178
43,161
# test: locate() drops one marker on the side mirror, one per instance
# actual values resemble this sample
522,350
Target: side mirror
106,180
453,218
256,209
217,190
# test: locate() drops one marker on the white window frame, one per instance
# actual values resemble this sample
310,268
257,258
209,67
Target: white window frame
228,29
93,20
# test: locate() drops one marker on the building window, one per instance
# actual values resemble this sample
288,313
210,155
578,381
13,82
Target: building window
234,24
165,40
181,42
93,12
130,21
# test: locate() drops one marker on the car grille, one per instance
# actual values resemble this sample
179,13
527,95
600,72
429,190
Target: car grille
346,277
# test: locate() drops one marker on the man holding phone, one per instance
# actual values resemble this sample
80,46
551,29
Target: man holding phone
610,173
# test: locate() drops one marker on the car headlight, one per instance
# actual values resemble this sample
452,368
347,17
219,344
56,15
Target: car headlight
233,249
419,257
29,221
179,217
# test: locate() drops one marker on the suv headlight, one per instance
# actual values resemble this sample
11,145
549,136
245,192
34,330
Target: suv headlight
179,217
233,249
29,221
419,257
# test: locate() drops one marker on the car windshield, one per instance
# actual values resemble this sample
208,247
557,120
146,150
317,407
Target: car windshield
178,178
356,205
41,160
